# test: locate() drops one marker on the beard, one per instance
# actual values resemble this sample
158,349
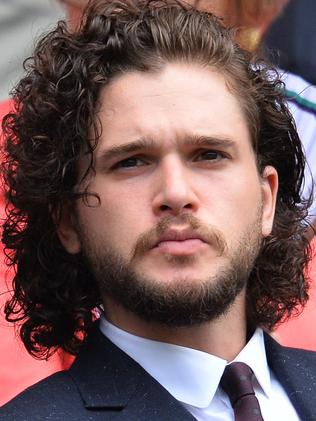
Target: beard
181,302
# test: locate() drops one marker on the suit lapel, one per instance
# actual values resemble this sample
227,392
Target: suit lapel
109,379
296,371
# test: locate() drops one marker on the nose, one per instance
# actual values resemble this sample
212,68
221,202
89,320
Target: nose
175,192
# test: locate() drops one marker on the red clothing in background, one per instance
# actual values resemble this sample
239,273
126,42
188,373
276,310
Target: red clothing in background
300,331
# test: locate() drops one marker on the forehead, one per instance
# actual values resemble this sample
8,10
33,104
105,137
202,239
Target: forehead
180,100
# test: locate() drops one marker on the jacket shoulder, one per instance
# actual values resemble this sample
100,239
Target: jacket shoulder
51,398
295,369
276,351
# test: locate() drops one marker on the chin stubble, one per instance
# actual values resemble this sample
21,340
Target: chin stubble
183,301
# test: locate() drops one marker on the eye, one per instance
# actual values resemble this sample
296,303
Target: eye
129,163
210,156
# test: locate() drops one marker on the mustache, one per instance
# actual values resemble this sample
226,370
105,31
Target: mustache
208,233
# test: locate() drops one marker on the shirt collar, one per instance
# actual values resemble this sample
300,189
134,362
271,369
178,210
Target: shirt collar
189,375
254,354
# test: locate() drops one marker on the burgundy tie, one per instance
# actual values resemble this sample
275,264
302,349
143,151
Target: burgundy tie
237,383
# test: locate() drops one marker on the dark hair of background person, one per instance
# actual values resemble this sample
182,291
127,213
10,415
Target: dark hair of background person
291,39
55,122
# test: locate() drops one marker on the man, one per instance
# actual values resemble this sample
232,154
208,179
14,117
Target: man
154,172
252,19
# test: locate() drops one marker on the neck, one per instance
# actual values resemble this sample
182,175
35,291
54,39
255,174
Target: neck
224,337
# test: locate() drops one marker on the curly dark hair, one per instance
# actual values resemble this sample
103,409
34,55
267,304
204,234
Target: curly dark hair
55,107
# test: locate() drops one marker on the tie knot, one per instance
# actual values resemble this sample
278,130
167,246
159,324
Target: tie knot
237,381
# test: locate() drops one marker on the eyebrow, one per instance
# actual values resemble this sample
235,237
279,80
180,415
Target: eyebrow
211,141
150,144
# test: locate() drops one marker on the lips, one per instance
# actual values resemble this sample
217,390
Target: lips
179,235
177,241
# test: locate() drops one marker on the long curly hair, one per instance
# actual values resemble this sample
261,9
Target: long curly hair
55,122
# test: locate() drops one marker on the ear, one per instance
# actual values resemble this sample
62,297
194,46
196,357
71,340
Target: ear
269,186
67,231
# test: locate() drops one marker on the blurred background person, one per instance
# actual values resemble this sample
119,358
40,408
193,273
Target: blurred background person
74,10
21,21
292,35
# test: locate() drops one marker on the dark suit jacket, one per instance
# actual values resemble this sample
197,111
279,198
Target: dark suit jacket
105,384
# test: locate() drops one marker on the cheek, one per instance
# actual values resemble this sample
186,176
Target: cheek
119,218
123,205
246,208
233,203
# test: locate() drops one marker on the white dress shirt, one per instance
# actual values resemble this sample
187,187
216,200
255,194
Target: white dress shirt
192,377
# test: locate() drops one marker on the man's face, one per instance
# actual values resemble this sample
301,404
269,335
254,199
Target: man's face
183,209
